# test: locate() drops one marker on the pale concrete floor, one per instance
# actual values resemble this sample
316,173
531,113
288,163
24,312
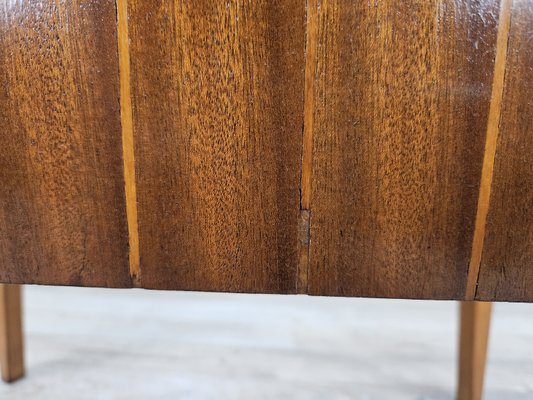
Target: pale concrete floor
120,344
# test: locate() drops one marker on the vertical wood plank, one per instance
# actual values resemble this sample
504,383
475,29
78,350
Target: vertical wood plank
11,337
62,212
473,343
401,100
217,113
506,271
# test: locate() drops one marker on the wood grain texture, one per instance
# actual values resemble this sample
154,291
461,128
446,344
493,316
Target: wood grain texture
506,271
11,336
401,99
62,213
473,344
218,111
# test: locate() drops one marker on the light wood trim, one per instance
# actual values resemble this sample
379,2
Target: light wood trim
307,145
474,337
490,149
11,338
310,72
127,140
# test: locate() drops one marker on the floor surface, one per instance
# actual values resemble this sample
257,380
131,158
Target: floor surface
136,344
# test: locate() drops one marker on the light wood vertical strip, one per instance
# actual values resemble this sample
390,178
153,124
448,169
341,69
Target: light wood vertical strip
490,148
474,337
310,72
11,338
127,139
307,146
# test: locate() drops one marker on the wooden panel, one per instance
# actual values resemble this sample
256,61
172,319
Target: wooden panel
506,271
217,114
401,98
62,213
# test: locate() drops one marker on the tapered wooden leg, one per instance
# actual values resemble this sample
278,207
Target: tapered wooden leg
11,340
474,336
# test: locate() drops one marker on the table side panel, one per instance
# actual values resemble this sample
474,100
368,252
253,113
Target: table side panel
401,97
217,95
62,211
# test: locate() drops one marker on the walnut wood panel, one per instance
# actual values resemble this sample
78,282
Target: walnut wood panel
62,213
401,98
217,97
506,271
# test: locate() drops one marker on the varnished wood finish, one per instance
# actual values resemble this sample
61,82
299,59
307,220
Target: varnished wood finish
11,338
474,337
62,214
326,147
506,271
401,100
218,112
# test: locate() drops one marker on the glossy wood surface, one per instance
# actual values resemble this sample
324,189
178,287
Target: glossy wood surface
401,100
326,147
506,271
62,216
217,96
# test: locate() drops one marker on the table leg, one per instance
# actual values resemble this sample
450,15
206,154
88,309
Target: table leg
11,340
474,335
